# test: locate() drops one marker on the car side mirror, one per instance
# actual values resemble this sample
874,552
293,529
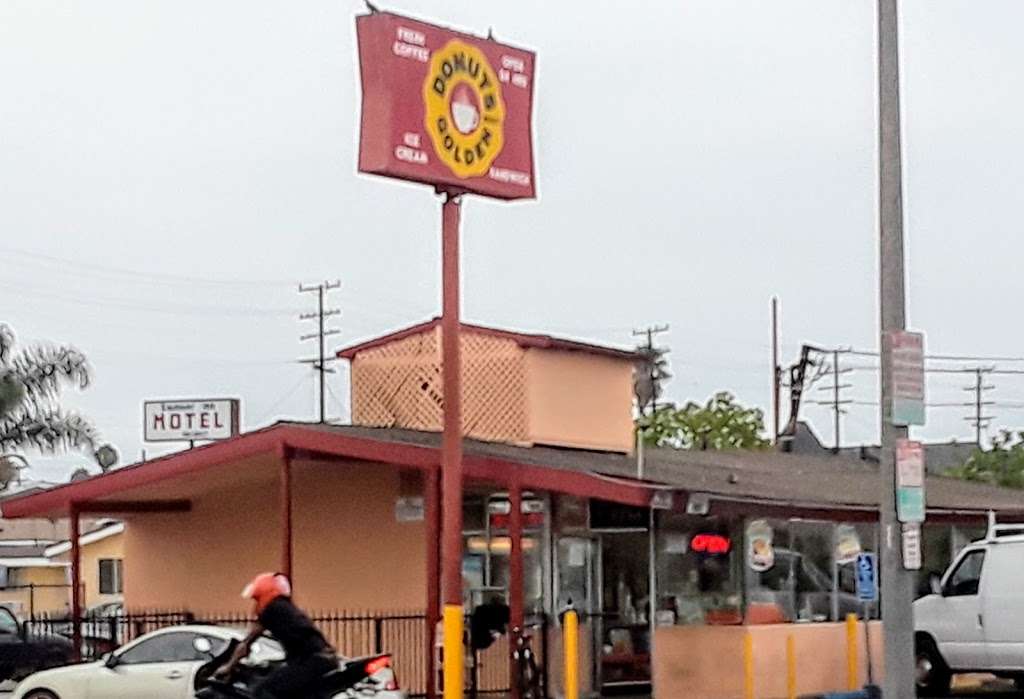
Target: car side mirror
935,583
110,660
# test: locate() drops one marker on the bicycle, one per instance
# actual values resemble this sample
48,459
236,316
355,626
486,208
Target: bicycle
527,673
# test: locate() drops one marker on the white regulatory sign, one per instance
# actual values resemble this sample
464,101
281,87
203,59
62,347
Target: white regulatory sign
909,464
190,420
912,546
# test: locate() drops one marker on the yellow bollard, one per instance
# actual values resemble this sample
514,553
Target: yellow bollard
454,658
748,666
571,653
852,673
790,667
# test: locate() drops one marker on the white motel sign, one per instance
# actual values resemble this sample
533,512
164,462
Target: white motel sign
190,420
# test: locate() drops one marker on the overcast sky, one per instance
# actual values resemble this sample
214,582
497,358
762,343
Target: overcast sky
170,170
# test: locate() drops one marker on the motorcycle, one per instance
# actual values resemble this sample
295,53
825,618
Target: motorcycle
353,677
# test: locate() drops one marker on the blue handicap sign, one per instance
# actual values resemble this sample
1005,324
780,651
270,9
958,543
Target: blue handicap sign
867,577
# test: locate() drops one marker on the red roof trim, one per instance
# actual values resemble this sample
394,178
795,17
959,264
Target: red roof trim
522,339
57,501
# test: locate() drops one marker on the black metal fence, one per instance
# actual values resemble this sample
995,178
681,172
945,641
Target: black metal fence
402,634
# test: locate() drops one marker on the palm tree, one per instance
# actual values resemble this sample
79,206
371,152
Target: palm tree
31,381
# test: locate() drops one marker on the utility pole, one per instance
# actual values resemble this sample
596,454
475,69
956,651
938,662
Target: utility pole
980,420
837,402
322,314
897,582
657,373
776,372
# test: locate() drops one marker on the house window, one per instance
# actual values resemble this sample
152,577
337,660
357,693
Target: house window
111,576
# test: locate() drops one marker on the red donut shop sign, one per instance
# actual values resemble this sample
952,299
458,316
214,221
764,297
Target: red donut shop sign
444,108
190,420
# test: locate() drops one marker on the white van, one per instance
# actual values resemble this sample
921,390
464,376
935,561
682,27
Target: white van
974,620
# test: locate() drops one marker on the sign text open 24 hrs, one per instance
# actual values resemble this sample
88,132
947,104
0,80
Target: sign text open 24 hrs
445,108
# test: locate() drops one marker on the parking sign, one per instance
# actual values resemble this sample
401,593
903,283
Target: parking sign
867,577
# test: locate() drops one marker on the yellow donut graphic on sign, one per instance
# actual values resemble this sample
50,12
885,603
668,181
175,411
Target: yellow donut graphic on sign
465,114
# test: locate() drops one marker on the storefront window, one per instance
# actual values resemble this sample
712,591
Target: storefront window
809,574
696,565
487,550
533,580
852,539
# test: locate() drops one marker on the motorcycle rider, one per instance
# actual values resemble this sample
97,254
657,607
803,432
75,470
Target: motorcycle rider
308,655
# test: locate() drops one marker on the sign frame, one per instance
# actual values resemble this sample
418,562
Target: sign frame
906,378
910,467
911,503
912,546
418,80
234,406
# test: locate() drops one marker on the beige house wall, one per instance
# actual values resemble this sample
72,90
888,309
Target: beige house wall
349,551
52,596
579,400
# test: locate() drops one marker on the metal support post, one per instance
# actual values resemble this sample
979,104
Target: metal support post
451,452
286,512
76,582
515,574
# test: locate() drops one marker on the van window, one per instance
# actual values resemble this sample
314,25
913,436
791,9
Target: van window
966,579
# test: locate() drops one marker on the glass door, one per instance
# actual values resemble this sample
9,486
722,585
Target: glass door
577,582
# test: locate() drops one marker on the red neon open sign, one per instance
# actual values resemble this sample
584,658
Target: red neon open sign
711,543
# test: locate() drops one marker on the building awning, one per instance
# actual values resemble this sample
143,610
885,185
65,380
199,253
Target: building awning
734,481
168,483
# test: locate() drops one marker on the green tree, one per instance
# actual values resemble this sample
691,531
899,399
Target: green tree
31,382
1003,464
721,423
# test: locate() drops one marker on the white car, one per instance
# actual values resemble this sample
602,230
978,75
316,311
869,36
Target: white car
974,620
158,665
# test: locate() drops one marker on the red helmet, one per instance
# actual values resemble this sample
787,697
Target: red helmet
265,588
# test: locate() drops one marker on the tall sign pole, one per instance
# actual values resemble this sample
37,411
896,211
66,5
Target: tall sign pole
451,451
453,111
897,583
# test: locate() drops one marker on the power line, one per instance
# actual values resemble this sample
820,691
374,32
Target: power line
322,314
280,401
170,309
80,268
938,357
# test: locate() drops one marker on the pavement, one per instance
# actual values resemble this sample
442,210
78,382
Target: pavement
974,687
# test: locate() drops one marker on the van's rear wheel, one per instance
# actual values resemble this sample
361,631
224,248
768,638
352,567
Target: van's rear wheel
933,675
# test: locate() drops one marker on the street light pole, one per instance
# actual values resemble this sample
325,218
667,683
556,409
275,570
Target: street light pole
897,583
